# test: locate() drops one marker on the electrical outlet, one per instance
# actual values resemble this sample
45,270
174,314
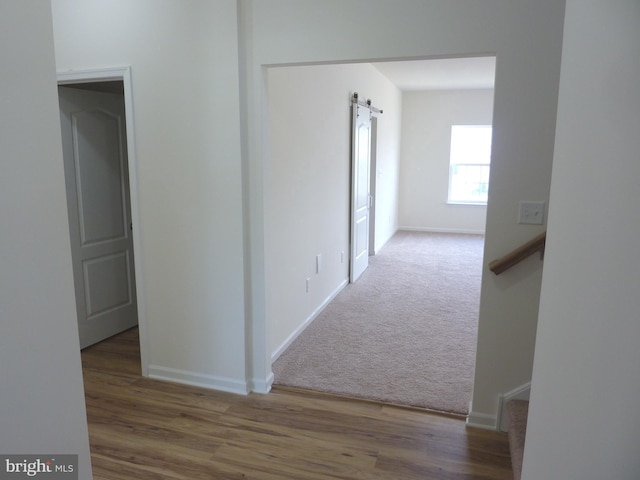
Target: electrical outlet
531,213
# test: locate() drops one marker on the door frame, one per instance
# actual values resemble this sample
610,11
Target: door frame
123,74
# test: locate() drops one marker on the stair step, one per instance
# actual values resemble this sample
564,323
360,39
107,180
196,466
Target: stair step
517,411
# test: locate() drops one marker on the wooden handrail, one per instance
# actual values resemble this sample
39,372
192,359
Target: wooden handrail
516,256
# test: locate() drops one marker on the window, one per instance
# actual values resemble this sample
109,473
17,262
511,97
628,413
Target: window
469,164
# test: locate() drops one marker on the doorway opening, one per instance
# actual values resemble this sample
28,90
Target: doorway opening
100,171
290,184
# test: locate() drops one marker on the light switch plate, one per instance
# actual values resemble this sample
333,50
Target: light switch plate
531,213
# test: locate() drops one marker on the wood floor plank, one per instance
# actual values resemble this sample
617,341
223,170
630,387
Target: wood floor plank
146,429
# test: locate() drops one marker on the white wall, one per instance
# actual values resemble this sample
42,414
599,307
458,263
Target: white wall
308,183
526,37
42,402
184,61
427,117
200,176
583,418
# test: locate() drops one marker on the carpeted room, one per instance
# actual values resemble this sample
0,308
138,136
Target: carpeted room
309,172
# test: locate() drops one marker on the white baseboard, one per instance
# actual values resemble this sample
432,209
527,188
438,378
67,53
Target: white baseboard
259,385
443,230
520,393
481,420
484,421
196,379
296,333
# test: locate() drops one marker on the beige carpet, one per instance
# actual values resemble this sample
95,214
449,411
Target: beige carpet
404,333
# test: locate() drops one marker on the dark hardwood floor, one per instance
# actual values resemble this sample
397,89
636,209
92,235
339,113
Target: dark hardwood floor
146,429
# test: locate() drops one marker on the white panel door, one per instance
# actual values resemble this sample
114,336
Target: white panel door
360,198
96,173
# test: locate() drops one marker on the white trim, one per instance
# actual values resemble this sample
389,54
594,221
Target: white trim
259,385
296,333
93,75
124,74
520,393
443,230
484,421
466,203
196,379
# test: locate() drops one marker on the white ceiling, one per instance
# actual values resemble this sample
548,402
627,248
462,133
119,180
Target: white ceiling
440,74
